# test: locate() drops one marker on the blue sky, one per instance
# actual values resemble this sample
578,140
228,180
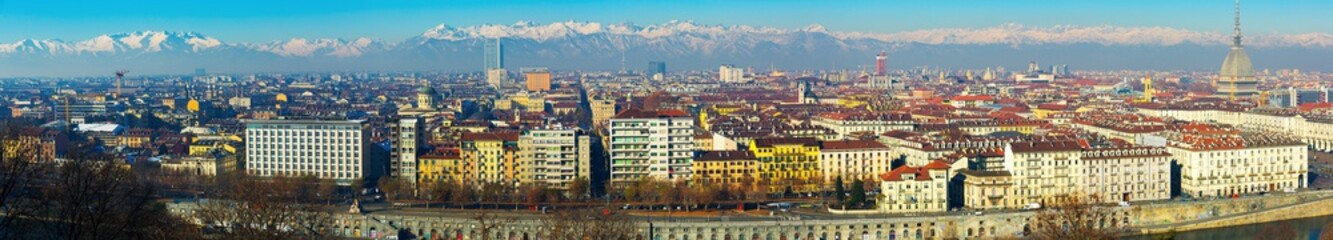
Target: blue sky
262,21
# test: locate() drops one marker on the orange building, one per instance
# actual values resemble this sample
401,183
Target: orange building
539,81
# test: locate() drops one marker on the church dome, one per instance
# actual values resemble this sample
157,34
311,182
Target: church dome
1237,64
426,89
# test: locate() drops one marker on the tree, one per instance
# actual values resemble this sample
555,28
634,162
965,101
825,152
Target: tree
395,189
578,188
534,193
93,197
488,224
1076,217
858,194
583,224
18,174
839,193
259,208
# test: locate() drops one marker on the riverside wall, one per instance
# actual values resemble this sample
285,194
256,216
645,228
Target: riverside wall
1138,219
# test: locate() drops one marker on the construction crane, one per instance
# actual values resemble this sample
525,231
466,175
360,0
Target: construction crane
1263,98
120,76
1147,89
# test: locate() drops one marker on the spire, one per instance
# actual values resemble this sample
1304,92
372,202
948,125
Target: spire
1236,39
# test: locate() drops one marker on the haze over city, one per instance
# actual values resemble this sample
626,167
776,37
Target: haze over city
165,37
666,120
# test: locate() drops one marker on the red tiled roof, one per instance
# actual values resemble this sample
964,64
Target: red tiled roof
726,155
770,142
852,144
490,136
638,113
974,98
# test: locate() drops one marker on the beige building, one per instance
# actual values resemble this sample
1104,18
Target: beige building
874,123
916,189
1127,173
854,159
989,190
555,156
1045,171
201,165
1227,163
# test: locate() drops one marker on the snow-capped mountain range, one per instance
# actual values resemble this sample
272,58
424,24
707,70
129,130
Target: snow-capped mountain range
446,47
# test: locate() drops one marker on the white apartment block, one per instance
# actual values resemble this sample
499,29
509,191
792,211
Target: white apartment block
729,73
407,136
556,155
327,149
1044,172
1227,164
916,189
651,144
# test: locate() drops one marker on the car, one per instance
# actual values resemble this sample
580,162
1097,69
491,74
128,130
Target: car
1032,206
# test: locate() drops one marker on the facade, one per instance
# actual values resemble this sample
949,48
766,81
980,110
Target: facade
651,144
725,168
656,68
854,159
916,189
494,54
556,156
201,165
1045,172
491,157
875,123
988,189
443,165
327,149
788,162
496,76
729,73
1229,164
539,81
1127,173
603,108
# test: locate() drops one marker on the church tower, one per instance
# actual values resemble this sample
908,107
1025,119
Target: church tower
1236,79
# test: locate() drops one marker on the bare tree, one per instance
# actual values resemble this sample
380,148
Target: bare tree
488,224
578,188
588,224
395,189
1076,217
257,208
18,171
94,197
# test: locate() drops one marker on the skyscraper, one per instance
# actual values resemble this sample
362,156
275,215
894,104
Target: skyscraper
881,63
1236,78
656,67
494,54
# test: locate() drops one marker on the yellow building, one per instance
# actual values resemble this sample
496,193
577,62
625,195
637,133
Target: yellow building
788,162
726,168
490,157
441,165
